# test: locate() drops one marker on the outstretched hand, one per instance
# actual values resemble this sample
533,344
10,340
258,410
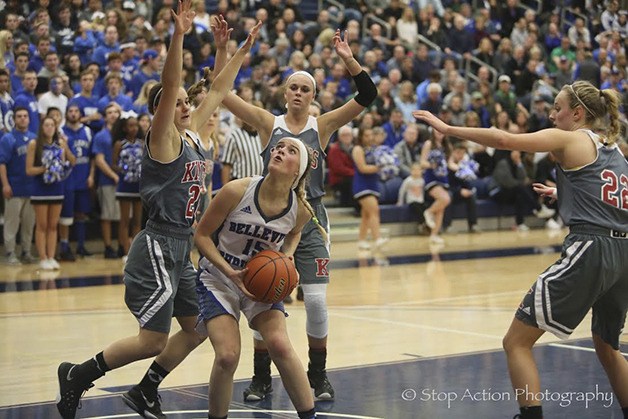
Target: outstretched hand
431,120
342,46
545,191
250,39
221,31
184,17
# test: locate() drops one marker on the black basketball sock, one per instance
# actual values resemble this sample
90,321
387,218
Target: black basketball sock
154,376
531,412
216,417
625,411
310,414
318,360
261,365
93,368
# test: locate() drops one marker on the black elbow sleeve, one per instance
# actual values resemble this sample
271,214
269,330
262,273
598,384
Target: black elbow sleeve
367,91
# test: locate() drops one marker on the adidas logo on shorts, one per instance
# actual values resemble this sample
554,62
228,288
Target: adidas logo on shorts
246,209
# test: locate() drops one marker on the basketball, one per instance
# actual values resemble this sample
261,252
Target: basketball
271,276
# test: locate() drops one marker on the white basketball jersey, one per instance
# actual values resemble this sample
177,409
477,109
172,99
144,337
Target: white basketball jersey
247,231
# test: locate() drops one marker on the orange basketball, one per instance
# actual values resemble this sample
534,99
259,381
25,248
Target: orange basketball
271,276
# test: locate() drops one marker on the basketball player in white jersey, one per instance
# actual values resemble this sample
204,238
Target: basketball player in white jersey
247,216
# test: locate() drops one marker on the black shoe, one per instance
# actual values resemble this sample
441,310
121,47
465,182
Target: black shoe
146,405
66,255
257,390
82,251
70,391
299,293
323,389
110,253
120,251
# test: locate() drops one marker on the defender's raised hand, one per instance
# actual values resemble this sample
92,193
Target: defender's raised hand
342,47
250,39
221,31
184,17
431,120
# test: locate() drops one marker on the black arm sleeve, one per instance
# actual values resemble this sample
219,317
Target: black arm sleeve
367,92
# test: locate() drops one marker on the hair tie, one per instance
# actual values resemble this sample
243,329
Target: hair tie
315,220
601,93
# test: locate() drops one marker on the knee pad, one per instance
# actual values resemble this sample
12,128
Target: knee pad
315,299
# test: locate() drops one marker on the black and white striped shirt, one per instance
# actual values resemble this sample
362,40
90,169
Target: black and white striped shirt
243,153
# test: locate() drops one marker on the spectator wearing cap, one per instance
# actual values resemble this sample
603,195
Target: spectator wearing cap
113,81
130,61
479,107
563,74
149,70
563,50
505,99
110,45
615,81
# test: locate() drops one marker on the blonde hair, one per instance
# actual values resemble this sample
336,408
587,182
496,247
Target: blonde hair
601,107
300,191
4,35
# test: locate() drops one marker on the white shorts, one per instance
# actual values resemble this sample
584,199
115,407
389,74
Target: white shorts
218,295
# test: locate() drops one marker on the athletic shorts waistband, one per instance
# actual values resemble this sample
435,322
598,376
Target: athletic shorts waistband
598,231
182,233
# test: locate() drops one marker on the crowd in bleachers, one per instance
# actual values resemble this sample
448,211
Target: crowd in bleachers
490,63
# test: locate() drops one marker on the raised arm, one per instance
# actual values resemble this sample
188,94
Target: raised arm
259,118
367,92
551,139
163,120
223,82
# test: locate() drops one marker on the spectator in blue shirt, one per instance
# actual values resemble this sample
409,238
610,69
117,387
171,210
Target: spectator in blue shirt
26,99
113,81
16,188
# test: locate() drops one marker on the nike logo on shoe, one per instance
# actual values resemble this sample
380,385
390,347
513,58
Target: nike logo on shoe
69,377
149,404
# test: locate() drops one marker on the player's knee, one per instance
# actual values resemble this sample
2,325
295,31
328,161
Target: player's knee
227,359
316,313
278,347
153,345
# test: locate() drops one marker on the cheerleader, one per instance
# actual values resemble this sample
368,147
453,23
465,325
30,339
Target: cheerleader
128,149
366,187
48,160
434,162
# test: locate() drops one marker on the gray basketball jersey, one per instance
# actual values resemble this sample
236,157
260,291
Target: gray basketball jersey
247,231
309,136
596,194
171,191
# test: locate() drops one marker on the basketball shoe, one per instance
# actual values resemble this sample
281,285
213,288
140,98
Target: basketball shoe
257,390
323,389
71,388
147,403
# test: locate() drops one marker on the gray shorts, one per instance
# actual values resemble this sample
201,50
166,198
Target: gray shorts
109,208
159,277
592,272
312,254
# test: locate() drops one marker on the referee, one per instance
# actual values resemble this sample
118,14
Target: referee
242,154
